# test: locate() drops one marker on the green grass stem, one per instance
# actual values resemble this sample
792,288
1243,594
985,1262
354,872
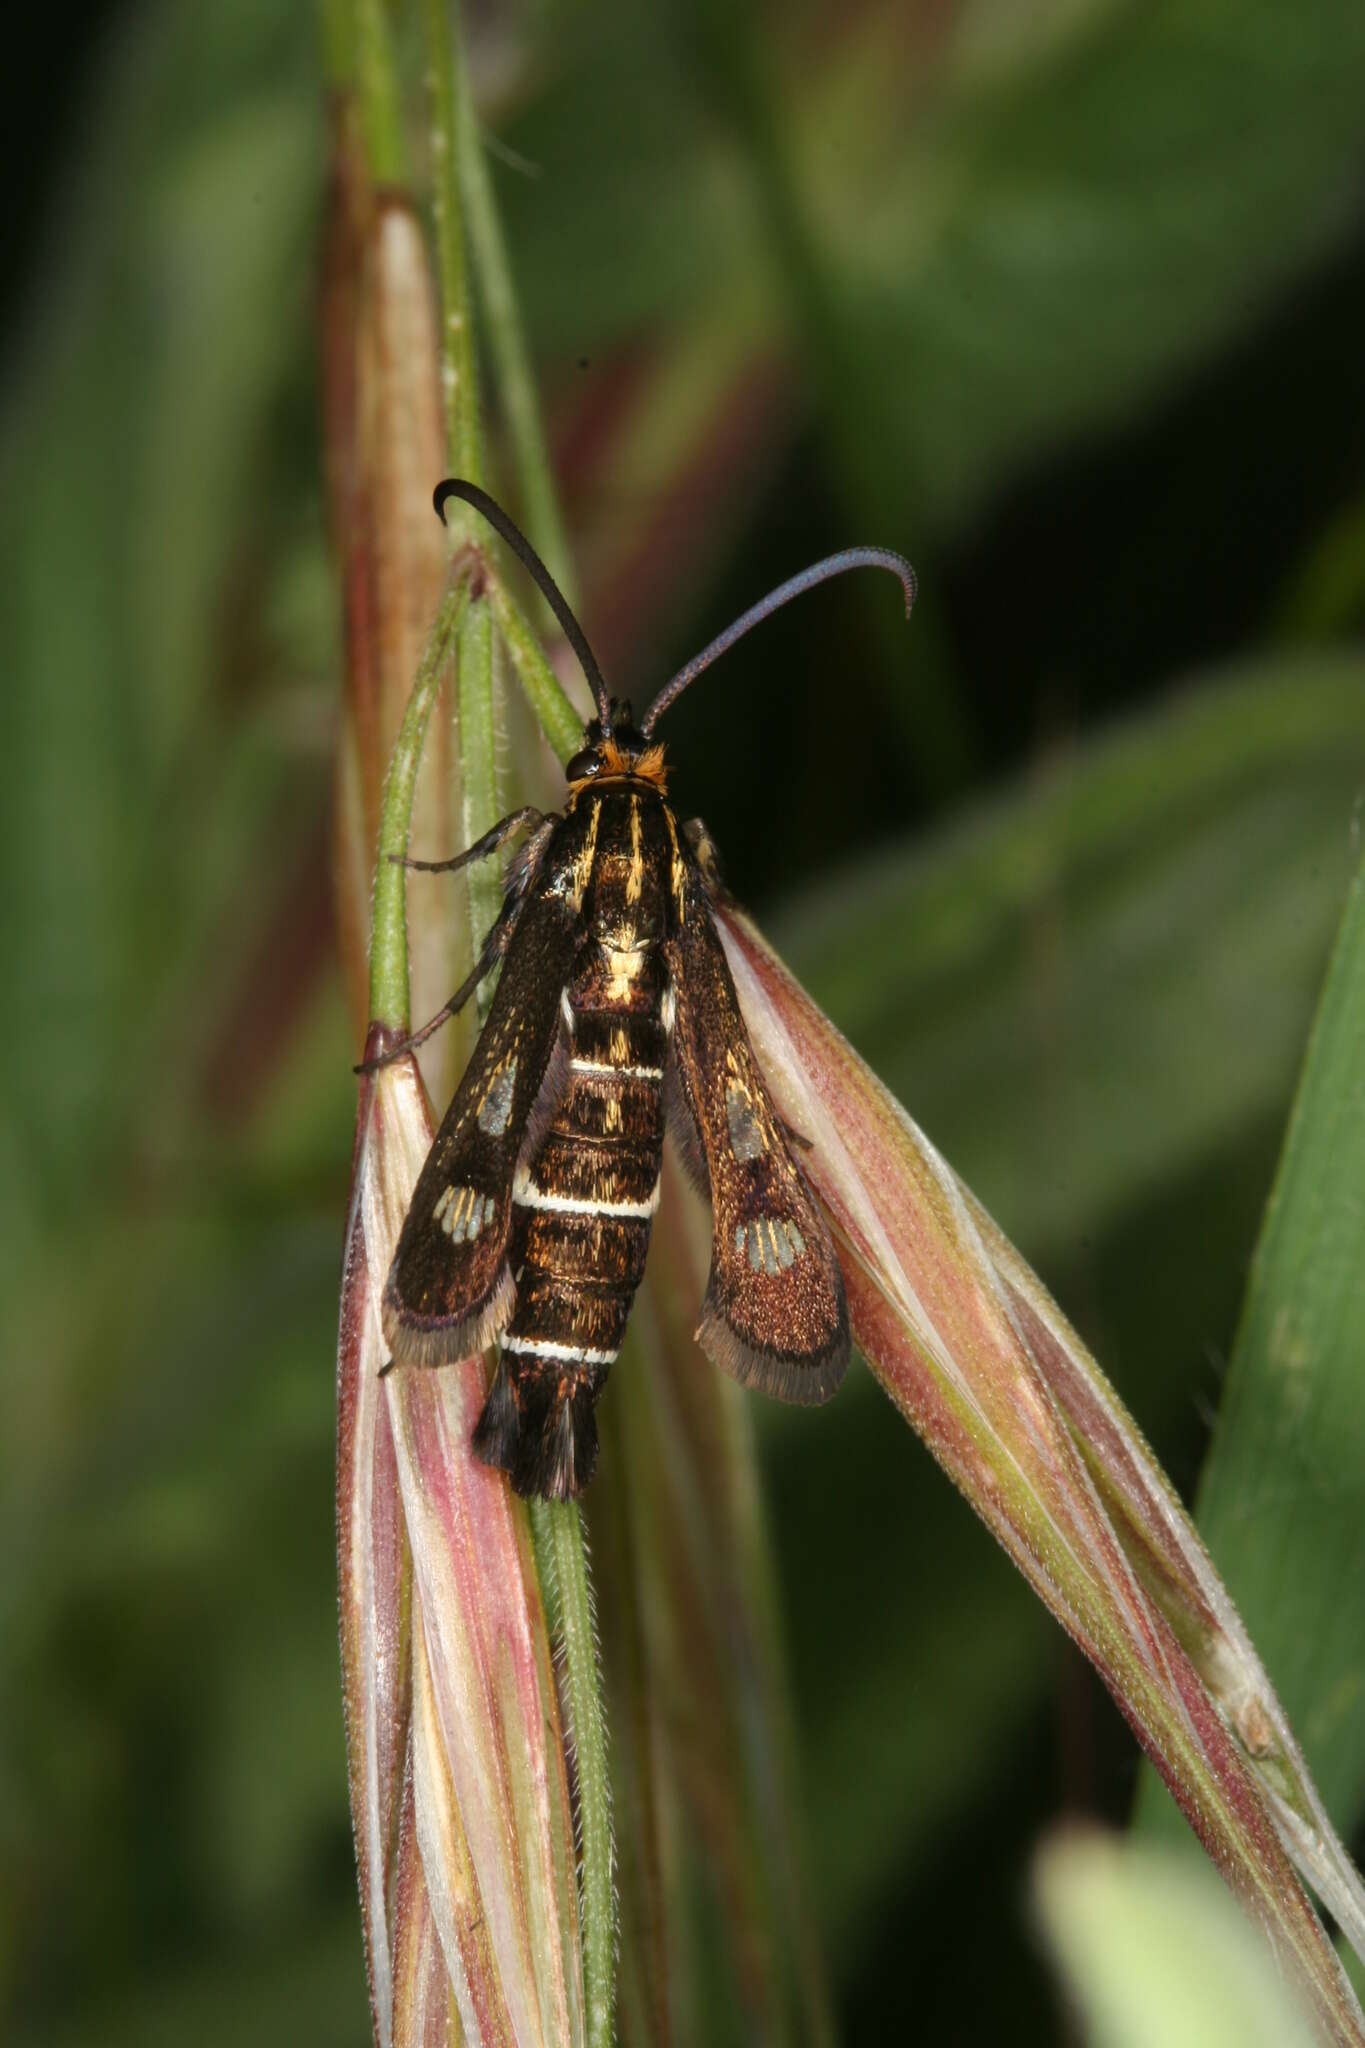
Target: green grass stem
561,1557
560,723
389,1000
381,116
479,771
507,347
459,362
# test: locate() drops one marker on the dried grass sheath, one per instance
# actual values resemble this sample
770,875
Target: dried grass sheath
464,1836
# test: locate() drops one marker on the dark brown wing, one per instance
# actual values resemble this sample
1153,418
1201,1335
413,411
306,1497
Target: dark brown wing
774,1313
449,1289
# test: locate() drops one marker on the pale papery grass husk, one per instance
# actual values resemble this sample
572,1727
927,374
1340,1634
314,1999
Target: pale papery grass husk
425,2012
1169,1557
459,1795
385,441
373,1577
942,1310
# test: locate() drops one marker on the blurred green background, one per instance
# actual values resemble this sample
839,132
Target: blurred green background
1066,301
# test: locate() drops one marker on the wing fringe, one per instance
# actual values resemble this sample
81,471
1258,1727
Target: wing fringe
441,1340
806,1379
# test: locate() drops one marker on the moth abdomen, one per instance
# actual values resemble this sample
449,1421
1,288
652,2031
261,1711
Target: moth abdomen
632,1046
566,1317
587,1176
538,1426
586,1251
617,1109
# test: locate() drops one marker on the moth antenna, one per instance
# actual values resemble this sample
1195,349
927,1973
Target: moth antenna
819,572
459,487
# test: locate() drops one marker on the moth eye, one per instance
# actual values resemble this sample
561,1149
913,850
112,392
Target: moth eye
495,1111
746,1132
587,762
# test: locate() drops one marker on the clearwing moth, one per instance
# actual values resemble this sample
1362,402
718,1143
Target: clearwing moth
615,1012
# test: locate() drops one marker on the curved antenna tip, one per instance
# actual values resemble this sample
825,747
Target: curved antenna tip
795,586
449,487
474,494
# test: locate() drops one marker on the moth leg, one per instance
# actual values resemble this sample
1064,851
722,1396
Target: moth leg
489,843
494,946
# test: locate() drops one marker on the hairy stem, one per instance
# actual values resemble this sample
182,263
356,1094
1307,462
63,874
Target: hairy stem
507,346
479,771
459,363
561,1557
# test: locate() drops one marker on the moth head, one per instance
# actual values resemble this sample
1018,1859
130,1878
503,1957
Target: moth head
613,747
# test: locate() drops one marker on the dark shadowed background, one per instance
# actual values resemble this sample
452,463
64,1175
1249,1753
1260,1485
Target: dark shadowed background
1066,302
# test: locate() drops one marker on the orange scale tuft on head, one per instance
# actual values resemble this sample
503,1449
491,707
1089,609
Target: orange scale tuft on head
646,767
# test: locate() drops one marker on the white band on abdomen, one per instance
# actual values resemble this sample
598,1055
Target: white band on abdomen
530,1196
626,1073
570,1354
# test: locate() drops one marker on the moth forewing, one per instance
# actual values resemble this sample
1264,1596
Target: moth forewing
774,1314
450,1289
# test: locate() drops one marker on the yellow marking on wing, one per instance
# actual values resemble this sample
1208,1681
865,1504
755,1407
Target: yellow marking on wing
748,1138
613,1119
619,1048
495,1104
635,880
678,874
582,867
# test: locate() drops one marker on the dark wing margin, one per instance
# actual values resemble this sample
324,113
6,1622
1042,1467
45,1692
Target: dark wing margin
450,1290
774,1315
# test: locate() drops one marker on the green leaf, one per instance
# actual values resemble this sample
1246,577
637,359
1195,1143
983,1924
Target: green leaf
1156,1954
979,241
1282,1497
1091,983
142,470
